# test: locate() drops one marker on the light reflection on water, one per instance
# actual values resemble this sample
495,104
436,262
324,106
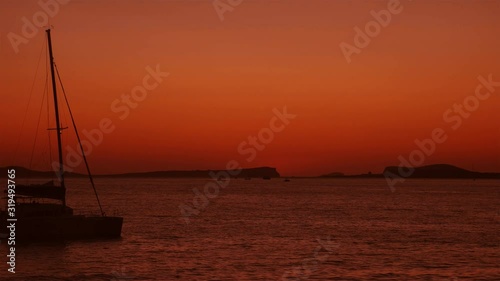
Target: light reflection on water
259,230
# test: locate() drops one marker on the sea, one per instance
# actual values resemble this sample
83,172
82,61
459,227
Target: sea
304,229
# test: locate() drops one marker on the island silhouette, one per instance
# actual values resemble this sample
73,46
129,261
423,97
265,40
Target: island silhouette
435,171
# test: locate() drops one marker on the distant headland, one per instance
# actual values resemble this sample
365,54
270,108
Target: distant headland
437,171
258,172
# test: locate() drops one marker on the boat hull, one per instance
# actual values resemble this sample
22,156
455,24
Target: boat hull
71,227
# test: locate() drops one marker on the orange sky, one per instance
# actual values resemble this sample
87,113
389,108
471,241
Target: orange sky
226,78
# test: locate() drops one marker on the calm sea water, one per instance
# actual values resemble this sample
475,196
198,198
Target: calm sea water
307,229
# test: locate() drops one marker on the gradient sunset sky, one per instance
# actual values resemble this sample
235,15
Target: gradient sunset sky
227,76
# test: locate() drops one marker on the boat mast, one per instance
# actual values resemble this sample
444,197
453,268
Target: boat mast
58,125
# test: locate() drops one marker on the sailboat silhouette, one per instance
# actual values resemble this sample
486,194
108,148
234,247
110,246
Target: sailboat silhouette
54,220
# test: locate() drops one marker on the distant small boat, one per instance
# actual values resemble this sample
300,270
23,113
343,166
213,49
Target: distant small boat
266,178
287,179
221,178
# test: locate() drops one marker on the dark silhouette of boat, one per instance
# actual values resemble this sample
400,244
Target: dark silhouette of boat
41,212
287,180
266,178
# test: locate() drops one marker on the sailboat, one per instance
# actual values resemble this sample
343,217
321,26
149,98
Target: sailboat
41,212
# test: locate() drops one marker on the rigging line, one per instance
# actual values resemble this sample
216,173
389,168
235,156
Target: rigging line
36,134
79,141
29,101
